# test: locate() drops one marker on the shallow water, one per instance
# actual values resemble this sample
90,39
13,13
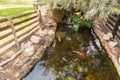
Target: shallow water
76,56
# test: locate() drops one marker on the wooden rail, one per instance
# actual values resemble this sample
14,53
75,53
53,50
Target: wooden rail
113,25
13,32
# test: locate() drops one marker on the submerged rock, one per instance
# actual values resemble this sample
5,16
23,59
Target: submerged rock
80,76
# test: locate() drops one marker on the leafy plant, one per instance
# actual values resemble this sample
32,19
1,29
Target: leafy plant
79,22
76,27
76,18
88,23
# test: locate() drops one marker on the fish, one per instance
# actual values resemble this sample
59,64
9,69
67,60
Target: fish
81,54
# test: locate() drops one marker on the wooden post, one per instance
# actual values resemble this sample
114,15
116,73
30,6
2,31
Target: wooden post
116,26
14,33
38,14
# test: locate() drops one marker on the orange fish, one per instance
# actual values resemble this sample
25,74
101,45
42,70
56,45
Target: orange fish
80,53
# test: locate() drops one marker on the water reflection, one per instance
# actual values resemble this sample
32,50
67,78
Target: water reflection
40,72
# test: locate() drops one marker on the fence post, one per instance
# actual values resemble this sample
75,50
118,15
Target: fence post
14,33
116,26
38,14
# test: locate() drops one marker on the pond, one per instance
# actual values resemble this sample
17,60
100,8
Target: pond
74,56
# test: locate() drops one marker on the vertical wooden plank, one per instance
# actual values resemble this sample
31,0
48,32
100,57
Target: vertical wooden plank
38,14
35,7
14,33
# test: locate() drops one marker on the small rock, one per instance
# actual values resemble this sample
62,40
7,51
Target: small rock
29,51
28,44
50,32
110,35
106,37
112,43
17,75
35,39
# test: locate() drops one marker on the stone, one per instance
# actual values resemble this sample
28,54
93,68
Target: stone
106,37
29,51
112,43
28,44
50,32
110,35
35,39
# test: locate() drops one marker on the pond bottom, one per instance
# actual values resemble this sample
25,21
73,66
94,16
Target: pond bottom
74,56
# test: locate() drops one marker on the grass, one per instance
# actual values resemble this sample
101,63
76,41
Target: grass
14,11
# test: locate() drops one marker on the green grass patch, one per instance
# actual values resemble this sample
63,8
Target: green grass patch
14,11
117,10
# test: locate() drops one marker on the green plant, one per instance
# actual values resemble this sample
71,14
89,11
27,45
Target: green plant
89,7
80,22
88,23
117,10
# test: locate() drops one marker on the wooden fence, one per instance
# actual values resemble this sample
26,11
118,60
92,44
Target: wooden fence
113,25
14,30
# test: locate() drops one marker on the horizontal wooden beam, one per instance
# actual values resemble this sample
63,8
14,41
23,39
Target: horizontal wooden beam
8,46
5,35
5,27
12,39
28,31
109,26
27,25
111,22
118,35
25,20
21,15
112,17
9,33
3,20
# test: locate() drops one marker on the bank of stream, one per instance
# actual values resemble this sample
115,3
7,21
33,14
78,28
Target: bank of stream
74,56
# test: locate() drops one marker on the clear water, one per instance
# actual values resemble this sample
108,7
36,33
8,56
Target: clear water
78,56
